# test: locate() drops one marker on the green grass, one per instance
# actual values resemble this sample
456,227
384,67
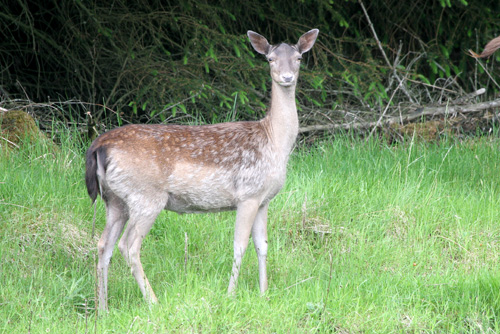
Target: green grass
363,238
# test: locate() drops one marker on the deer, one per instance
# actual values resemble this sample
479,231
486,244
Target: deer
489,49
141,169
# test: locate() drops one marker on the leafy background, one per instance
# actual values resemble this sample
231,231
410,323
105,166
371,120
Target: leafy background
190,61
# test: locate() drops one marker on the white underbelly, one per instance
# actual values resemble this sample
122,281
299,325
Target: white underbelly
193,188
200,189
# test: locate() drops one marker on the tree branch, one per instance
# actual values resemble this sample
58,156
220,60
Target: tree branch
418,113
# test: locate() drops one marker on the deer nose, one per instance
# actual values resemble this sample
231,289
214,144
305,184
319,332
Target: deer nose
287,77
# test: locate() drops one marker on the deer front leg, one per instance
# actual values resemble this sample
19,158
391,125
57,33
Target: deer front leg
259,236
245,217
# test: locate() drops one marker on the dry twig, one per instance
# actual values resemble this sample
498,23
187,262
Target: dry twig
392,66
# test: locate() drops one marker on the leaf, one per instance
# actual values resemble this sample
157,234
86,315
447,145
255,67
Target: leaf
423,78
183,108
119,119
447,70
237,50
317,82
133,104
243,97
445,51
433,66
343,23
250,62
210,53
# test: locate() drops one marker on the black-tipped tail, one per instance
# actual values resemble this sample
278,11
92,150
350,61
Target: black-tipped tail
91,170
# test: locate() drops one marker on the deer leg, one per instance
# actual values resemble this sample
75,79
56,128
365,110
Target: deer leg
130,246
259,236
116,217
245,216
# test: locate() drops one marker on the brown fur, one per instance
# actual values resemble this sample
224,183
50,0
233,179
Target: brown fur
489,49
196,144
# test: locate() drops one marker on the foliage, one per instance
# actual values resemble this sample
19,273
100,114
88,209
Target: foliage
190,61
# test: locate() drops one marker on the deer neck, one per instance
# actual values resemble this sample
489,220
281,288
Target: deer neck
282,121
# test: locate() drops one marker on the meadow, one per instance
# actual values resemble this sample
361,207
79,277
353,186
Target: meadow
365,237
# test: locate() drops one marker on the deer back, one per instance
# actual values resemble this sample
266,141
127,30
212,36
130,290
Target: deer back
198,168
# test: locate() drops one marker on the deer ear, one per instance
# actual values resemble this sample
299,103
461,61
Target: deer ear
307,40
259,43
489,49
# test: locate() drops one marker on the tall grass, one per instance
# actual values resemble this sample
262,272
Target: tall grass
364,237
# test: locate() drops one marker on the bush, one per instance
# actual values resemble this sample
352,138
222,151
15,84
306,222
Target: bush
189,61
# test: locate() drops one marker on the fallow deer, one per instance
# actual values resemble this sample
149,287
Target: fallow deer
489,49
139,170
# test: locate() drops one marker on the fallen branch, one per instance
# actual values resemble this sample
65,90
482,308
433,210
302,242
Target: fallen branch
418,113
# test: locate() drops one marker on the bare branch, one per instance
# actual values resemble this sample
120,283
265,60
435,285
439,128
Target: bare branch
417,113
392,66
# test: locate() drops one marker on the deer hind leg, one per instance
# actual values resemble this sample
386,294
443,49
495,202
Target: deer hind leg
139,224
259,237
245,217
116,217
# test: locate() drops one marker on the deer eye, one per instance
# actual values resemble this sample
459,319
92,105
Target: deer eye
299,58
270,59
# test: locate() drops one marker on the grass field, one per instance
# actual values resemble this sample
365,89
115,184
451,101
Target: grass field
364,238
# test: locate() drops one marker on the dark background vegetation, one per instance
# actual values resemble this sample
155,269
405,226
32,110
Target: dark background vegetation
189,61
